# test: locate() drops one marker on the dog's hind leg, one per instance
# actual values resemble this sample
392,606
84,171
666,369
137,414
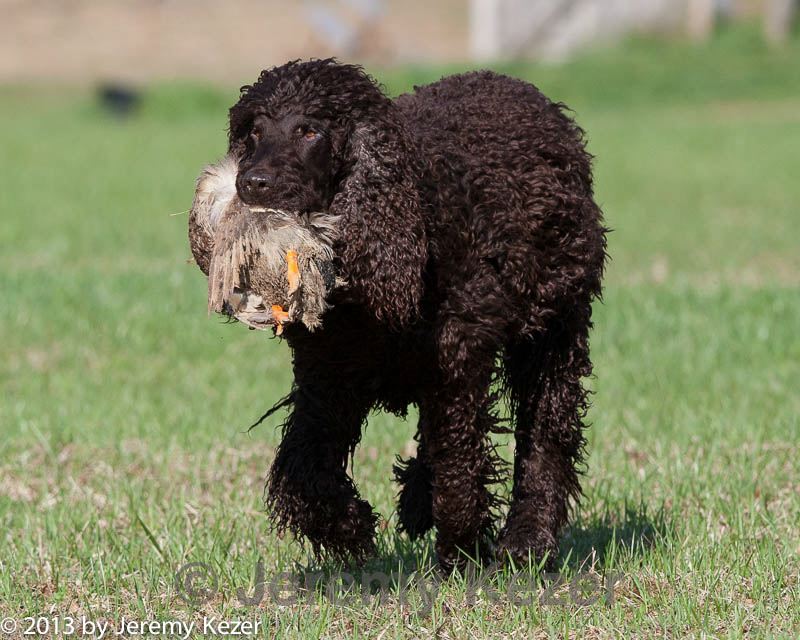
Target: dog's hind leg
544,378
415,500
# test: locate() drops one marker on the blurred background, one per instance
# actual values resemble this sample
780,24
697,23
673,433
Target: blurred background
139,40
124,407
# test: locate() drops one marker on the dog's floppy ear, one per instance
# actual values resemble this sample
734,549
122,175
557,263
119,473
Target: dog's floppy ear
382,245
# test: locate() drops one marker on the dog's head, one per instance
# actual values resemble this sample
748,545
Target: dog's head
320,136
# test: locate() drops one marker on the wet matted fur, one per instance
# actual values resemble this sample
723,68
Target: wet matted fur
472,249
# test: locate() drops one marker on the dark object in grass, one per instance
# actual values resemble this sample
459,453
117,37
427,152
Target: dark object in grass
469,250
119,100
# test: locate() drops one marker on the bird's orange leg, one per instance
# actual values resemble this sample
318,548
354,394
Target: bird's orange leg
292,271
280,317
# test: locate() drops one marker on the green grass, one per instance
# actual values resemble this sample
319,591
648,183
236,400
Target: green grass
124,452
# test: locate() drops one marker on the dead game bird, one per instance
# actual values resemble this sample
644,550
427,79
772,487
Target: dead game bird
265,267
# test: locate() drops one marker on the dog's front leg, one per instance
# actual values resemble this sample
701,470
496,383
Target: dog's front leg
462,466
309,491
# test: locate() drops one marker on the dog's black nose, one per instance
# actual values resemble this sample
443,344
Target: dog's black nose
257,181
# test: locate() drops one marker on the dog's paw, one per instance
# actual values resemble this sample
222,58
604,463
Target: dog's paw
521,547
352,536
415,502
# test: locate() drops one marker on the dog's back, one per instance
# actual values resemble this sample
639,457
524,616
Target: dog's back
509,182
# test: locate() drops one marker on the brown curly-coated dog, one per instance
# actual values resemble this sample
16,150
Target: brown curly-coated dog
471,249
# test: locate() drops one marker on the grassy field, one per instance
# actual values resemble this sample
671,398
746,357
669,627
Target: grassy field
123,444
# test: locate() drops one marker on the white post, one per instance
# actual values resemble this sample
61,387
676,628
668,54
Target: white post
778,20
700,19
485,29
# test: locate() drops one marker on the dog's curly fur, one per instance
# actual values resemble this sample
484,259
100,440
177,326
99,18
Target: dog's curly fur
472,248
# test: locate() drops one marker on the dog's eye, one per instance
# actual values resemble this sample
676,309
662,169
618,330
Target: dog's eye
308,134
255,134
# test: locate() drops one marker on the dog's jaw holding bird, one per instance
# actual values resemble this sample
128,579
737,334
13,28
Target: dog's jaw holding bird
266,267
